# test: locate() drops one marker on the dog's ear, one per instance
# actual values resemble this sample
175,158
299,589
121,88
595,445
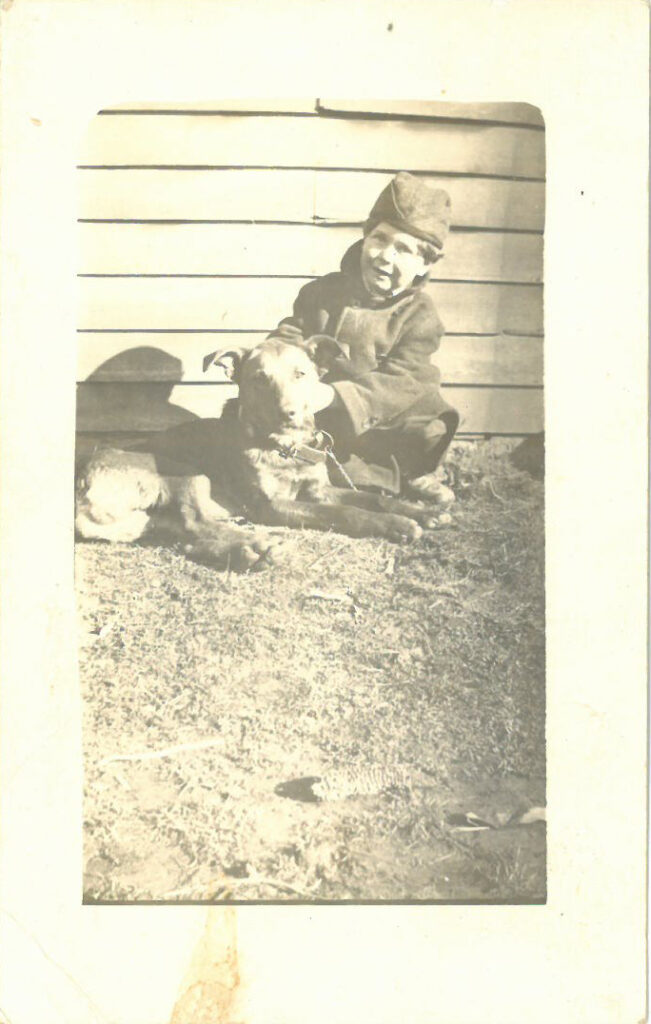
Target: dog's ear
227,360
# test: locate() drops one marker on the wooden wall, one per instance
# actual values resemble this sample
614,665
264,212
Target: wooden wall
197,228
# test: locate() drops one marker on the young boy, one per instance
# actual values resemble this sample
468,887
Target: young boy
373,328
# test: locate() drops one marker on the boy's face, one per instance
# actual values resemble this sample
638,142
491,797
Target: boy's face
390,260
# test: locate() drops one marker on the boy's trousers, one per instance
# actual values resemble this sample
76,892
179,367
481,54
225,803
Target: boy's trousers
412,443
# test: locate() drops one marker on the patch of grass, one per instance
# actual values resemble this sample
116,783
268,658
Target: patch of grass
435,666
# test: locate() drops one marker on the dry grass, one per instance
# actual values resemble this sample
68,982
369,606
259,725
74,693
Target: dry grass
423,665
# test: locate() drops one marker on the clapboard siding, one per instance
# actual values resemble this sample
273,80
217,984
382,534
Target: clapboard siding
184,303
305,196
500,113
294,250
151,140
462,359
147,407
199,227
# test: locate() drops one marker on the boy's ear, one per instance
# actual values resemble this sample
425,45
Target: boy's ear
227,360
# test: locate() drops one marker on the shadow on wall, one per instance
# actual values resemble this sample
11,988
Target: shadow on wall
131,391
128,396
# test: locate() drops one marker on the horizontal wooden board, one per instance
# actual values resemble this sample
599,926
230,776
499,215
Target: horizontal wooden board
491,359
230,105
498,410
125,407
505,113
147,406
179,357
259,303
278,249
289,195
148,139
476,202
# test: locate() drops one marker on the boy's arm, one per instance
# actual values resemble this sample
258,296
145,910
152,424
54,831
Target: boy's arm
305,328
400,378
374,397
308,317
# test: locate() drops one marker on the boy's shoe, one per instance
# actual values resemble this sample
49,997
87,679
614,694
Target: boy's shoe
429,488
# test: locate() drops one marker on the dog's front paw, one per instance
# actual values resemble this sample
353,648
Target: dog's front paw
241,553
255,556
401,530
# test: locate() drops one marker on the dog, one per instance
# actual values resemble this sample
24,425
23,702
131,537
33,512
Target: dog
262,460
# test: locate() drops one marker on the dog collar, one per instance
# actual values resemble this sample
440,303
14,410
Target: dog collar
308,453
314,453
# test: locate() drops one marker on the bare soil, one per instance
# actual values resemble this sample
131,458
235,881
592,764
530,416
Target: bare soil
410,680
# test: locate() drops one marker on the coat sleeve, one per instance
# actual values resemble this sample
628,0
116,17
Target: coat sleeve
308,317
400,378
306,329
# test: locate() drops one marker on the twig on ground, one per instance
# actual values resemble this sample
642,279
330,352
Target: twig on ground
117,774
342,596
327,554
152,755
489,484
425,635
261,880
212,886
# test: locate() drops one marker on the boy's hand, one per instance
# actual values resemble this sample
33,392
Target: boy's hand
323,349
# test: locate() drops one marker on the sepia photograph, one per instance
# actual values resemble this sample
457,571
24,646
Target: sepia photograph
309,502
324,512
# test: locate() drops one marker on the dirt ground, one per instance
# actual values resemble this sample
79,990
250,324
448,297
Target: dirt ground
408,680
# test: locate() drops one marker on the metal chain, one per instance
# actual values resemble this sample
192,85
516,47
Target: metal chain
322,436
329,450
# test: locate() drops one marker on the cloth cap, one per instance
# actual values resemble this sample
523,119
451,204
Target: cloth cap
412,206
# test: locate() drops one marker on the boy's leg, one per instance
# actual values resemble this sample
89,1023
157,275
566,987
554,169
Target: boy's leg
382,475
401,455
418,440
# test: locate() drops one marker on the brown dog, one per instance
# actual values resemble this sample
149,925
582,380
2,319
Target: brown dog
263,459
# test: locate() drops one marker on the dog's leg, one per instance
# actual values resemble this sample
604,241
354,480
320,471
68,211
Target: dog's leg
232,547
195,502
422,514
351,521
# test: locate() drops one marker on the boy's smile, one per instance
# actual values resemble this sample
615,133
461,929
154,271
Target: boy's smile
390,260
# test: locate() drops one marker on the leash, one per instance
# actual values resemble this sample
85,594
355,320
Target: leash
306,453
333,458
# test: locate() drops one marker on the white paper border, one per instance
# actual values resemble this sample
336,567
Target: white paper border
580,958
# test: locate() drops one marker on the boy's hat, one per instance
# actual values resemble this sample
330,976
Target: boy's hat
412,206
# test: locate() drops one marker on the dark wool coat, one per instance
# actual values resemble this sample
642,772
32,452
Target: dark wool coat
382,364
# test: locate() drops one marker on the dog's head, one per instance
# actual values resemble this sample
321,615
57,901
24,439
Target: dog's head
277,383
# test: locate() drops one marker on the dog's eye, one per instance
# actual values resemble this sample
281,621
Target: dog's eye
299,373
